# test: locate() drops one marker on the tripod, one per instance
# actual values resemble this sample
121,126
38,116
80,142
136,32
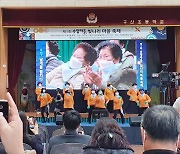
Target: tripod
165,90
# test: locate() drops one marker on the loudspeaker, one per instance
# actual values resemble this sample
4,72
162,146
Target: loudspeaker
59,120
135,121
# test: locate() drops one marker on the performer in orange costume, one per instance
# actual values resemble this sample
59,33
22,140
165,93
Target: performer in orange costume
118,102
91,104
45,99
143,101
133,93
109,92
68,97
101,100
86,92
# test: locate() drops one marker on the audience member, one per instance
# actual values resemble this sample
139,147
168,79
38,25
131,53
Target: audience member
160,130
31,139
108,138
12,133
176,106
71,122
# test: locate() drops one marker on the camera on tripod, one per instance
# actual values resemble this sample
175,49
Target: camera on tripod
168,79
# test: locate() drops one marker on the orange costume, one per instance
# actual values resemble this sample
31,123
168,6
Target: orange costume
92,101
38,91
144,101
86,93
44,99
118,102
68,99
109,93
100,102
133,95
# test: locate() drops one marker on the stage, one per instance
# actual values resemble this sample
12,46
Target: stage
132,132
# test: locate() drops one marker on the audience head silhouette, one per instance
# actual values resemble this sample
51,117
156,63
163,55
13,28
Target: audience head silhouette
71,119
160,128
108,137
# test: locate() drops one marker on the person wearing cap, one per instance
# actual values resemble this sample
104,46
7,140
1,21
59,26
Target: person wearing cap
118,102
59,102
86,92
91,104
68,97
143,101
109,92
45,99
133,93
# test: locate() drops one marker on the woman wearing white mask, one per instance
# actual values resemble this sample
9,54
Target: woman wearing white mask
86,92
110,68
45,99
118,102
91,104
133,93
143,101
72,71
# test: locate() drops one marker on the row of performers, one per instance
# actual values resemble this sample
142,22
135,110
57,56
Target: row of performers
110,100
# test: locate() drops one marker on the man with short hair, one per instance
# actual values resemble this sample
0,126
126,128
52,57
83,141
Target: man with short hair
160,130
71,122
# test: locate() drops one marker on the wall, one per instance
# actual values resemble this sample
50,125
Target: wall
86,3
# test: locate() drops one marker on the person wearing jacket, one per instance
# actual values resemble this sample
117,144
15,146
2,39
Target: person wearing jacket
109,92
143,101
68,97
29,137
108,138
118,102
86,92
91,104
133,93
52,60
73,71
45,99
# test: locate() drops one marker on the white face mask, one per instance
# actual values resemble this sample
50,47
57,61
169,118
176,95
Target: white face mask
116,94
135,87
75,63
103,64
44,91
67,86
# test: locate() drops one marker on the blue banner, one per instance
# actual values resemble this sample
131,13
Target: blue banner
141,66
41,62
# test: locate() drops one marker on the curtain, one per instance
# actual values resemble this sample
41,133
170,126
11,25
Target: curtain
16,50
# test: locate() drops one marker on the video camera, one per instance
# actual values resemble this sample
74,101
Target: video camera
171,79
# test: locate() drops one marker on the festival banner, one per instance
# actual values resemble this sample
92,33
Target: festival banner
99,33
141,66
41,62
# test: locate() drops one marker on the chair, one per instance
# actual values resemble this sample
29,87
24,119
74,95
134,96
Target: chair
43,132
70,148
62,130
98,113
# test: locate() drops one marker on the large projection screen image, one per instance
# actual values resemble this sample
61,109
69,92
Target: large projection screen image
93,55
96,62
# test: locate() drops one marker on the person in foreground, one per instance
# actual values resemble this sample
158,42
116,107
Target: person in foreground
29,137
71,122
12,133
160,129
108,138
